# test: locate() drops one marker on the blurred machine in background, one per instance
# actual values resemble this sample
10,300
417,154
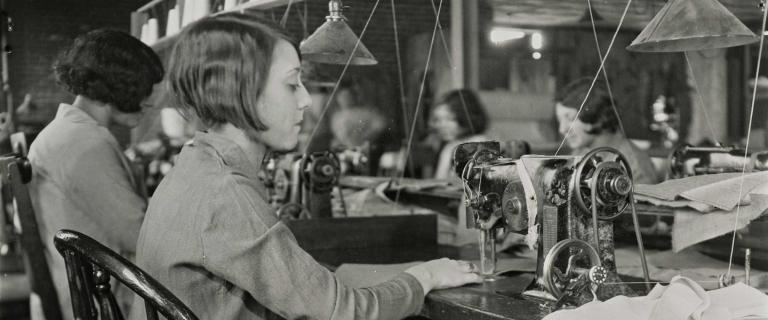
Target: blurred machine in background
689,161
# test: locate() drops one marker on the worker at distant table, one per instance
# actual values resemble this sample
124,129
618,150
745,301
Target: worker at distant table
597,125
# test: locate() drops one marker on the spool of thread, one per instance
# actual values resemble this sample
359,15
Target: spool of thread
747,264
172,27
203,9
194,10
152,31
144,29
188,12
229,4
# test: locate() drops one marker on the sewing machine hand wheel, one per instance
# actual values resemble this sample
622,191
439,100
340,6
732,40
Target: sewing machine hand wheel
320,170
579,252
613,185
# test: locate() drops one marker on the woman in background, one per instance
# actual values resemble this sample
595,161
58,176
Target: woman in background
82,181
598,126
458,117
210,235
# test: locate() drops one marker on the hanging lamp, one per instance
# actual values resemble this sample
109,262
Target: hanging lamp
689,25
334,42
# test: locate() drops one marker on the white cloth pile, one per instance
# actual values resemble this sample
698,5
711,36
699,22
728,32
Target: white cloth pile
682,299
707,206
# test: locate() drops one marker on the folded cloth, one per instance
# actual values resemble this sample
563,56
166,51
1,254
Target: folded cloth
671,189
727,194
701,207
692,227
682,299
718,190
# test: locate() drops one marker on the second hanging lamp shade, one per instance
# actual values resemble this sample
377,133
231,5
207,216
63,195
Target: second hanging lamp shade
689,25
334,42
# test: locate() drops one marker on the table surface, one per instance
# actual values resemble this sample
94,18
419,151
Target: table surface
491,300
498,299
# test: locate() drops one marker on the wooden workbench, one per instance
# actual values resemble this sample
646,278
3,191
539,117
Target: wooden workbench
493,300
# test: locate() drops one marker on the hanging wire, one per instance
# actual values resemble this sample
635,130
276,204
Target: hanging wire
304,19
453,68
302,14
419,100
701,99
284,19
594,79
605,72
746,149
399,68
338,82
403,103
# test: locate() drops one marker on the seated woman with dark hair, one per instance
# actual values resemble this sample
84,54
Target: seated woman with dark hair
82,181
210,235
458,117
598,126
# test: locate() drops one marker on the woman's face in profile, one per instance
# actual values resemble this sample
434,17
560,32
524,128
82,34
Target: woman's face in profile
444,123
578,138
283,100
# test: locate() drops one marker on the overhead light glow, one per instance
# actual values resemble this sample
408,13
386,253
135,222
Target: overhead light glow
536,55
504,34
537,41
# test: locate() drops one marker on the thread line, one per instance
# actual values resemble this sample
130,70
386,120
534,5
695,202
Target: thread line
594,79
419,100
746,148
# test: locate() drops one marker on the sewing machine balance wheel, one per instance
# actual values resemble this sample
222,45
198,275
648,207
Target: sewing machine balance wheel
613,182
582,262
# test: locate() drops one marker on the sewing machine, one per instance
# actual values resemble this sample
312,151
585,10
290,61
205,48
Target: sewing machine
564,205
301,189
692,161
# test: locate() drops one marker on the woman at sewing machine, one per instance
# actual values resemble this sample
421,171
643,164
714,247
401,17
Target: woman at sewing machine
597,125
209,233
458,117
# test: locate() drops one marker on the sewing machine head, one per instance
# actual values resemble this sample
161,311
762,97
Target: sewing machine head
301,185
692,161
563,204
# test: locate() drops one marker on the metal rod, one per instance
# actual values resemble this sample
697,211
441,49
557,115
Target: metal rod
343,203
487,252
747,265
636,223
593,190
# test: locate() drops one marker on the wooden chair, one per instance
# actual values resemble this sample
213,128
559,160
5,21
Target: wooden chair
15,172
89,267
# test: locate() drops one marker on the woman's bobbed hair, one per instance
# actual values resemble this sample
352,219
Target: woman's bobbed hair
468,109
110,66
597,109
219,66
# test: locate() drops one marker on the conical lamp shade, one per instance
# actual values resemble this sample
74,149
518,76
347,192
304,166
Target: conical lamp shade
333,42
689,25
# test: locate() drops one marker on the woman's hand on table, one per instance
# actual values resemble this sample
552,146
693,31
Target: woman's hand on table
444,273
